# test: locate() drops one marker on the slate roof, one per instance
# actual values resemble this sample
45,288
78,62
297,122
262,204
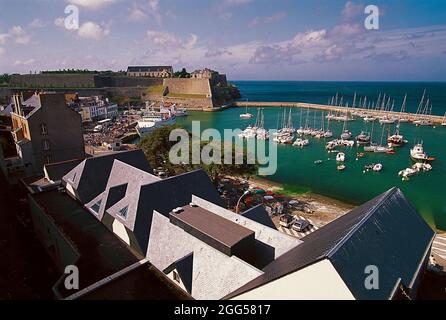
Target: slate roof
168,194
386,232
115,194
56,171
260,215
211,228
184,266
101,253
93,173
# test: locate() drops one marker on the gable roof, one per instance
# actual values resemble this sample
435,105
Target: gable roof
387,232
259,214
168,194
115,194
184,266
93,173
56,171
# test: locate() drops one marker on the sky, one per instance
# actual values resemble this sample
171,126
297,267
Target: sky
246,39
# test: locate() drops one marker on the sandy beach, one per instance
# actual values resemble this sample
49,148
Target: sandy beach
323,209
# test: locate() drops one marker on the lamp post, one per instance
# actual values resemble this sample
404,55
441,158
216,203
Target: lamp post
240,199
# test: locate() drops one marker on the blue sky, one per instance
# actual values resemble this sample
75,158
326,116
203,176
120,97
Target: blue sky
247,39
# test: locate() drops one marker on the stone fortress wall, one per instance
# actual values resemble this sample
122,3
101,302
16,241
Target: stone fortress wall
80,81
53,80
188,86
197,93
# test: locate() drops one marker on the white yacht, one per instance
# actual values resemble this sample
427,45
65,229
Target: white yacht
340,157
246,115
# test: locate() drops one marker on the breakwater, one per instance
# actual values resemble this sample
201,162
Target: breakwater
410,116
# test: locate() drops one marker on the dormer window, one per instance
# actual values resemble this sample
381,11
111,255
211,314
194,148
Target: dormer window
96,206
43,129
45,145
123,212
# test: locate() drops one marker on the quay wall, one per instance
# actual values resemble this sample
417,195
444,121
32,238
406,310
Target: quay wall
410,116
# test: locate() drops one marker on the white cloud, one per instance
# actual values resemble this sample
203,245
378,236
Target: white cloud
150,10
93,31
192,41
269,19
59,22
137,13
23,63
92,4
351,11
2,51
3,38
19,35
163,40
37,23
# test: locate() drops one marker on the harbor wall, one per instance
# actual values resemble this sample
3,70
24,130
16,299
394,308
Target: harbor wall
410,116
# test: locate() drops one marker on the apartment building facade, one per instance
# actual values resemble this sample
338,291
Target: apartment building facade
45,130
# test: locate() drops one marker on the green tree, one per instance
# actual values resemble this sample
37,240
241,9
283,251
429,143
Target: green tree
157,146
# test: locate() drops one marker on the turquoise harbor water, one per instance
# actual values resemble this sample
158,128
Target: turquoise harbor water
296,168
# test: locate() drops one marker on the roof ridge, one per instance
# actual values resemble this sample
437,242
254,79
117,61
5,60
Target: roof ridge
361,222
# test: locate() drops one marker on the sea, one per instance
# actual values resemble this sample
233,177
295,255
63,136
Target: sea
297,171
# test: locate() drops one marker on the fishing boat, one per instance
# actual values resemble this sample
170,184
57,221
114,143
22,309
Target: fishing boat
418,154
340,157
443,122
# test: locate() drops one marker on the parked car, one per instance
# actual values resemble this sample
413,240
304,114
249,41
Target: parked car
300,225
286,220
